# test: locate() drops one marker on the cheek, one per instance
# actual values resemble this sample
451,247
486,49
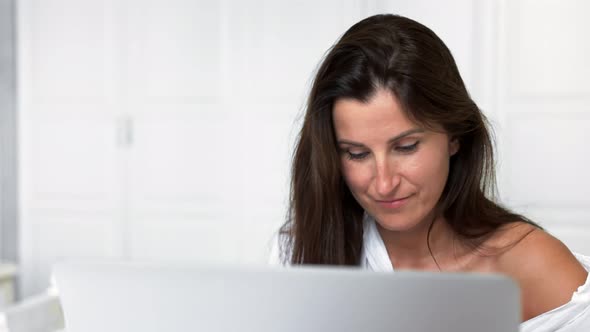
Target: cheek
428,171
356,177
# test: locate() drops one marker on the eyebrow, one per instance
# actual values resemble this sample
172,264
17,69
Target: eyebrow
391,140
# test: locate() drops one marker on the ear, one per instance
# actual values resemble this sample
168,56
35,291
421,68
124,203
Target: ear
453,146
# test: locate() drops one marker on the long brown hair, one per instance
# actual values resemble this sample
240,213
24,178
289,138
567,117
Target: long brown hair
324,224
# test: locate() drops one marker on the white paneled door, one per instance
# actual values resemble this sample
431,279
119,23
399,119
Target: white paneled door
543,105
161,130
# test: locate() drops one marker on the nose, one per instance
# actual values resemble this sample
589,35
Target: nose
387,178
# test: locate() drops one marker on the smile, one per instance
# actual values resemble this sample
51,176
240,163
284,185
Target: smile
393,204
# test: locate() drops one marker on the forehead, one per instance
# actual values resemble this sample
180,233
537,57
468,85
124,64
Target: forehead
381,115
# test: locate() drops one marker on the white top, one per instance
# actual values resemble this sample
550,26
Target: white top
573,316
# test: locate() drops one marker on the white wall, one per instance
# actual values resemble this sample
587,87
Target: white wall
163,129
8,215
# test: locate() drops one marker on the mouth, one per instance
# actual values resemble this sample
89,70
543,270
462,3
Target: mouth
393,203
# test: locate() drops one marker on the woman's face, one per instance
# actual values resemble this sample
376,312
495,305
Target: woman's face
394,168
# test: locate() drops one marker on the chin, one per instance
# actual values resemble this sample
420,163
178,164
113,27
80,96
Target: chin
395,224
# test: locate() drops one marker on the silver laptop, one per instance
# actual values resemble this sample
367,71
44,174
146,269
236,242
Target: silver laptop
99,297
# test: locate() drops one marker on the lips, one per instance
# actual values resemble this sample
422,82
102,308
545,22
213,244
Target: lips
393,203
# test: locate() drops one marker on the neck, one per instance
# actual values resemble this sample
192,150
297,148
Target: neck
409,249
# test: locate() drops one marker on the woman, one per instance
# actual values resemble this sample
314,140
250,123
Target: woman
394,169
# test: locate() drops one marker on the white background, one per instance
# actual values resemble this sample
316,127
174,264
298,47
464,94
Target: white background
163,129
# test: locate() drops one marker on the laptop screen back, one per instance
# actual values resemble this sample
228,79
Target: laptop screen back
150,298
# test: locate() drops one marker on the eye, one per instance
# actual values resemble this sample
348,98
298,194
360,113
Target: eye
357,156
407,148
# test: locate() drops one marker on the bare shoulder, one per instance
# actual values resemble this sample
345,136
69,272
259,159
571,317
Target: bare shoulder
545,269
